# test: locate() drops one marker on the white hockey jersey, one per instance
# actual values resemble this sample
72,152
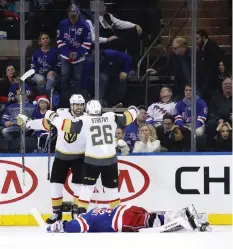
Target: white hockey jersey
99,132
157,110
68,146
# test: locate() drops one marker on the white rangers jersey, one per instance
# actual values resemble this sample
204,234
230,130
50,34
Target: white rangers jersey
99,132
157,110
68,146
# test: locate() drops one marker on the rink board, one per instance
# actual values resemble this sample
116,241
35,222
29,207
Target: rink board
158,182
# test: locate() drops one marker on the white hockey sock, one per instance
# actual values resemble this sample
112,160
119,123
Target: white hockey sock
76,189
57,196
113,196
86,192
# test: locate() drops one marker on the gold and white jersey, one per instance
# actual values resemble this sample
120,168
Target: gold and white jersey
69,146
99,132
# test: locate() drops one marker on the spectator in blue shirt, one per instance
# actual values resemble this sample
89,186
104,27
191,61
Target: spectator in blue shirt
46,62
132,130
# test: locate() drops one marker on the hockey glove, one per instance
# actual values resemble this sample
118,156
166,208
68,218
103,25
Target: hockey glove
50,115
22,119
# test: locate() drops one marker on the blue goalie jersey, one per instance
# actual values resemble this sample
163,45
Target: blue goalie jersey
97,220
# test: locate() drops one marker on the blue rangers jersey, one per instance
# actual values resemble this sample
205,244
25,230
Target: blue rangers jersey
97,220
73,38
45,62
183,112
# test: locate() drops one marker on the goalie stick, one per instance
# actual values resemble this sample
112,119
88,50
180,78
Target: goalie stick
28,74
39,219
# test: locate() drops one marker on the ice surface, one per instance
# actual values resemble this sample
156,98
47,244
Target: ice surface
34,238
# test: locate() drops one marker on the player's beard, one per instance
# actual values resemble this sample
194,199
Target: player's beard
78,112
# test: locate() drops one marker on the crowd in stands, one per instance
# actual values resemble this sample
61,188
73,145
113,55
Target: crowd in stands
68,67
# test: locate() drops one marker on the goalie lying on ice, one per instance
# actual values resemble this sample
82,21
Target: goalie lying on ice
125,218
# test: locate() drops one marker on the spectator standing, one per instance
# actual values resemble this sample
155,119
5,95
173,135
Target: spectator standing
148,140
117,65
157,110
132,130
184,111
9,119
74,42
46,62
118,35
211,55
180,66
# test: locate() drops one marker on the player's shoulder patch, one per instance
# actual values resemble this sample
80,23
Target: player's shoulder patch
61,110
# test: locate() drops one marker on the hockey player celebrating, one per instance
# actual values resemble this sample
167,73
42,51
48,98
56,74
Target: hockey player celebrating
100,153
125,218
69,153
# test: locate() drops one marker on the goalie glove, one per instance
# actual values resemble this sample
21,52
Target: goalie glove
56,227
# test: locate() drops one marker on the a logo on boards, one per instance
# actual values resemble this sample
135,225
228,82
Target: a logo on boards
183,172
133,182
11,187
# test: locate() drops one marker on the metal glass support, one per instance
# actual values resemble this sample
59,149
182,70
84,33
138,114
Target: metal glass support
193,74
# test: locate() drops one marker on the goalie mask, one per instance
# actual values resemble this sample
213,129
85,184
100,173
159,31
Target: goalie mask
77,104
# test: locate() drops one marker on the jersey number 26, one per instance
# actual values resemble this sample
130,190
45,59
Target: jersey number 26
101,135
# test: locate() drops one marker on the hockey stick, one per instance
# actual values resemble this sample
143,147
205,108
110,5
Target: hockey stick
28,74
49,138
39,219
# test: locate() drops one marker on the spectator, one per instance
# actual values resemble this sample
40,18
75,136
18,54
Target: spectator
42,18
211,55
180,66
74,43
223,73
14,86
46,63
132,130
118,35
220,110
6,83
117,65
148,140
166,106
9,20
172,137
9,84
223,139
9,119
184,111
121,145
39,113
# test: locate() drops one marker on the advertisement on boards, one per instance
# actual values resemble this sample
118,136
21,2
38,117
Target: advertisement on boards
154,182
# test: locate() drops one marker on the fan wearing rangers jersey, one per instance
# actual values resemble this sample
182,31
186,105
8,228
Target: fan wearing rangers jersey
157,110
184,111
74,43
100,153
69,154
125,218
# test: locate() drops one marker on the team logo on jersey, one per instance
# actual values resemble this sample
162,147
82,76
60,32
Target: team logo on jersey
11,187
70,138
